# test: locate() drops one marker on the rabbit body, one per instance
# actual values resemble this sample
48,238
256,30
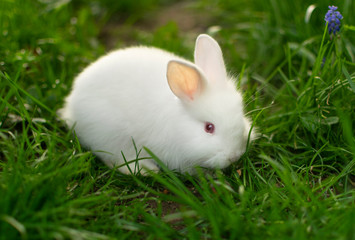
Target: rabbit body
145,95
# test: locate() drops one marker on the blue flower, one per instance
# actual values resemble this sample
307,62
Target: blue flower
333,18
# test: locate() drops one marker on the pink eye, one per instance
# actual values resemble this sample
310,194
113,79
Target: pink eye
209,127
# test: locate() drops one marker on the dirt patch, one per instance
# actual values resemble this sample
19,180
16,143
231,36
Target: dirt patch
171,212
186,16
189,19
167,207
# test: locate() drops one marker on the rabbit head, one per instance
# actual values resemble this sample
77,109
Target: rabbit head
217,131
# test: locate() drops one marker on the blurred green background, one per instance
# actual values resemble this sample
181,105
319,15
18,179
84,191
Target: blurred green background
295,182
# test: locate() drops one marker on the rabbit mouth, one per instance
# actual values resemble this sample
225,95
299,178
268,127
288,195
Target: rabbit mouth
234,158
219,161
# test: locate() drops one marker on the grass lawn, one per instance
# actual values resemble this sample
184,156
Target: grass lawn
297,181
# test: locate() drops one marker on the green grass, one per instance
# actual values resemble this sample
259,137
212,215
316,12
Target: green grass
295,182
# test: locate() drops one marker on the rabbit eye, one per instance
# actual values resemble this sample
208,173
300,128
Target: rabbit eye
209,127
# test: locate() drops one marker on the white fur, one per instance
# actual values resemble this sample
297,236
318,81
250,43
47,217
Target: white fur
125,95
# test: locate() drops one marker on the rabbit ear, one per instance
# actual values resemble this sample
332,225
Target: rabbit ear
208,56
185,81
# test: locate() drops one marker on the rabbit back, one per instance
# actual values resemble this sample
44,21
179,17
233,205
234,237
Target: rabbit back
121,98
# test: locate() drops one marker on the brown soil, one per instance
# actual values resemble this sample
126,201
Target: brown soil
189,20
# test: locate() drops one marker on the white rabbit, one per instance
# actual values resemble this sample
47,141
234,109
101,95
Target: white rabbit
188,114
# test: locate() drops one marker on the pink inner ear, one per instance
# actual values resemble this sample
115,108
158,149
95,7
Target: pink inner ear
191,94
184,80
